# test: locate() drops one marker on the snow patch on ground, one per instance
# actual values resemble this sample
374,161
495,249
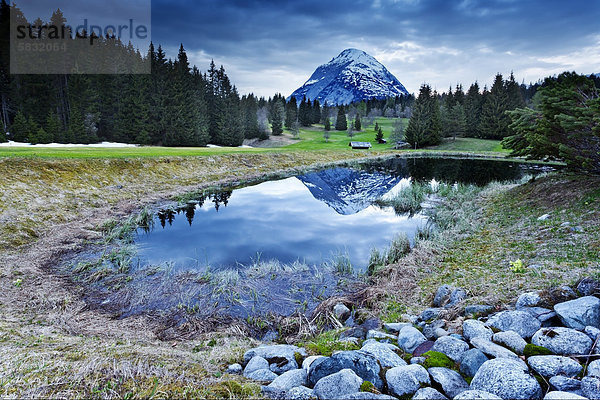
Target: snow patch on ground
103,144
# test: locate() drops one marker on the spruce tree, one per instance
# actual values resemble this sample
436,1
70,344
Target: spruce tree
19,130
357,124
316,112
341,124
376,127
277,118
327,124
291,112
379,136
76,132
54,128
473,103
424,127
494,119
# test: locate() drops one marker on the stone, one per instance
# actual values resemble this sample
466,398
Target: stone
406,380
579,313
363,364
430,329
308,362
590,387
356,332
518,321
507,379
423,348
471,362
262,375
473,328
563,396
430,314
548,366
442,295
593,368
529,299
510,339
352,340
395,327
476,395
456,297
270,336
564,384
255,364
234,369
439,332
410,338
373,334
341,312
544,217
451,347
451,382
428,393
478,309
283,366
371,323
418,360
337,385
588,287
283,355
386,356
369,396
592,332
289,380
299,393
494,350
563,341
544,315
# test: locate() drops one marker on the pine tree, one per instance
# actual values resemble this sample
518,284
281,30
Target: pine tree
494,119
316,112
19,129
357,124
473,103
341,124
277,118
376,127
379,136
76,132
41,137
291,112
327,124
54,128
305,112
424,127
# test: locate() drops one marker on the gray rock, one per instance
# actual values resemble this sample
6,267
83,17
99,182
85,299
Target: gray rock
371,323
373,334
579,313
593,368
337,385
564,384
282,366
430,314
395,327
456,297
410,338
386,356
529,299
429,330
308,361
363,364
588,287
592,332
451,382
563,396
451,347
282,355
442,295
548,366
418,360
352,340
262,375
473,328
590,386
341,312
510,339
255,364
356,332
507,379
478,309
234,369
471,362
369,396
439,332
544,315
544,217
428,393
494,350
563,341
270,336
289,380
476,395
413,319
406,380
300,393
518,321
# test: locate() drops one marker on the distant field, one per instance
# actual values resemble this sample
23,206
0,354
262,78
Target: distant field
471,144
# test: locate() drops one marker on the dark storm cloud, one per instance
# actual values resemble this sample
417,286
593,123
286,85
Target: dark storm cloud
275,45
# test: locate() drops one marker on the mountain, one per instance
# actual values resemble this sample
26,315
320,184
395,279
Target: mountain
346,190
351,76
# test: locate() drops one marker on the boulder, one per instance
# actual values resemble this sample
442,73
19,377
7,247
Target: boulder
593,369
494,350
418,360
451,382
369,396
529,299
374,334
356,332
262,375
590,387
548,366
410,338
442,295
510,339
289,380
544,315
478,309
588,287
282,355
564,384
308,362
451,347
592,332
383,353
234,369
337,385
341,312
563,396
456,297
563,341
255,364
473,328
395,327
283,366
300,393
476,395
518,321
429,314
428,393
363,364
429,330
423,348
406,380
371,323
579,313
507,379
471,361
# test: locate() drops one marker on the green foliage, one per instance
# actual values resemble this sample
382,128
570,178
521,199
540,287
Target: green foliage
437,359
518,267
41,136
20,128
425,126
54,128
399,247
408,199
341,124
533,350
326,343
494,119
357,123
379,136
277,118
367,386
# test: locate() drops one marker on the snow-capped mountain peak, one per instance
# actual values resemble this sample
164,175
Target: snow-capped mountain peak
351,76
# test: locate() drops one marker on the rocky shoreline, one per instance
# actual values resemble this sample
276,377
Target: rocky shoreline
545,346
